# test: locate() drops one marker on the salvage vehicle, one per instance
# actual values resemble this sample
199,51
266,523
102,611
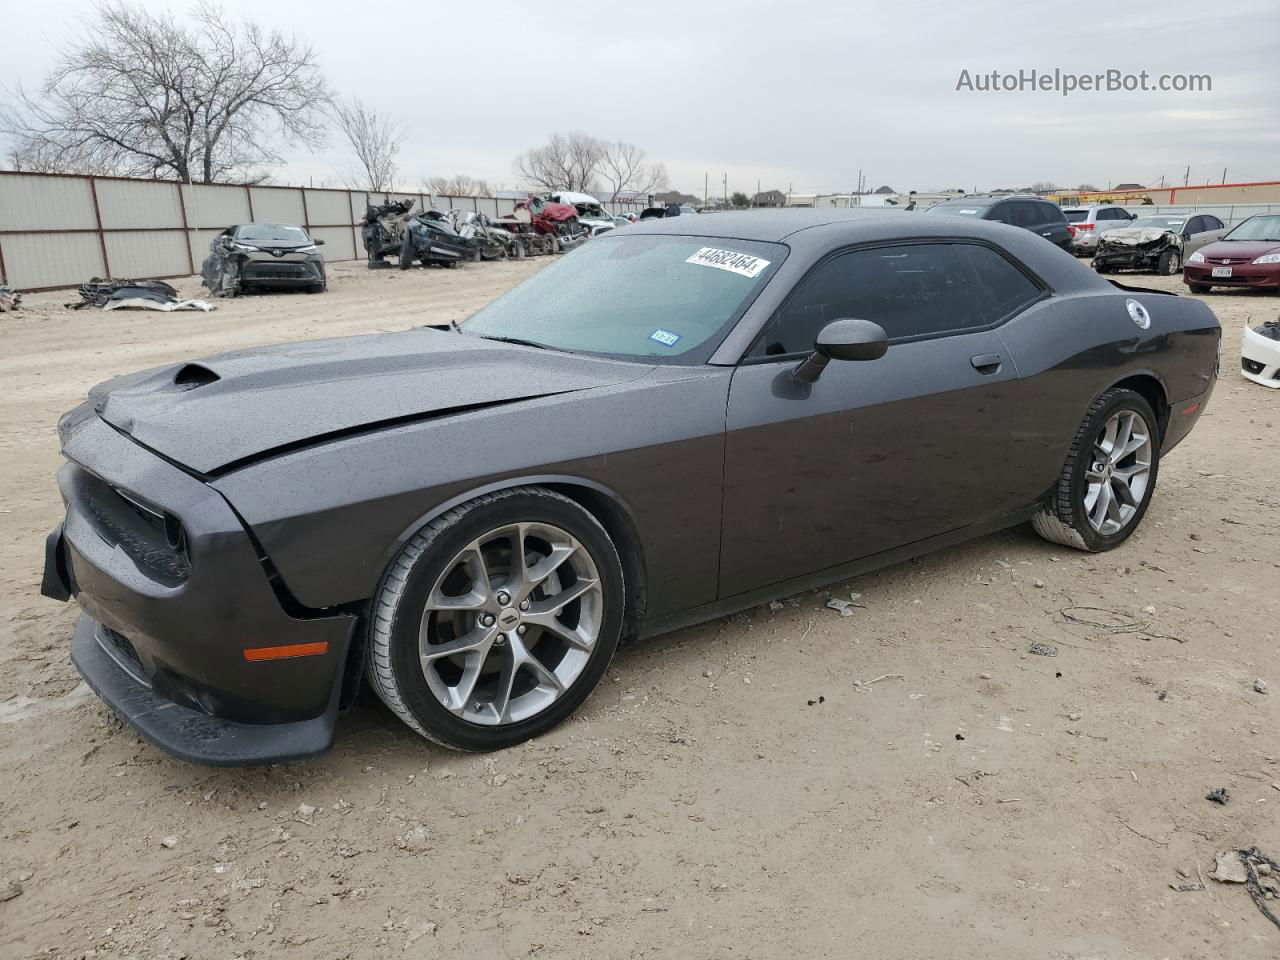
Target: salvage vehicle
1086,224
1247,256
1018,210
429,237
559,221
681,420
1157,243
383,230
520,226
491,241
260,256
590,213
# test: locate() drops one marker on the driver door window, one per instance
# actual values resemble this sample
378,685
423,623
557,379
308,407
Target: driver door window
912,290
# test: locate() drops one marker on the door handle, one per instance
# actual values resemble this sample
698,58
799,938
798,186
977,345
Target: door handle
987,363
1046,233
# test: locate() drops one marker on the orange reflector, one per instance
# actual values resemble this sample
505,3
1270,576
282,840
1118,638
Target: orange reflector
1192,409
287,651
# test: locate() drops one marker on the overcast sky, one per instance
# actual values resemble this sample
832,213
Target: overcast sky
802,94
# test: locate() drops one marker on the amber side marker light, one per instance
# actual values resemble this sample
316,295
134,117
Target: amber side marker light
287,651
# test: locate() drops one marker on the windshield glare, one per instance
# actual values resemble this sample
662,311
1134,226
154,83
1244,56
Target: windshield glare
634,296
272,232
1257,228
1162,223
959,209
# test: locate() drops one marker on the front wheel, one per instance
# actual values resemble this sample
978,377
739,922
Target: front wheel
1110,474
406,252
1170,262
497,619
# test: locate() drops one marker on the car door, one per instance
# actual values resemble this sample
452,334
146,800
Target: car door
1201,230
874,454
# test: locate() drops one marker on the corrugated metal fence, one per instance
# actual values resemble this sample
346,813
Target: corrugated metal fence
60,230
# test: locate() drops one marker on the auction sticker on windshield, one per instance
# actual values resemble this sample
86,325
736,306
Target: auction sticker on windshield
740,263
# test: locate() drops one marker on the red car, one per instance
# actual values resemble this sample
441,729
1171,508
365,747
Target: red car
1248,256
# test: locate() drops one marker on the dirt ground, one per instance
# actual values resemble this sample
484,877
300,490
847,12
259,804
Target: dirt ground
906,782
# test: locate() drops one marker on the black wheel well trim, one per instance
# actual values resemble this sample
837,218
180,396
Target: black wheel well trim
1151,387
610,508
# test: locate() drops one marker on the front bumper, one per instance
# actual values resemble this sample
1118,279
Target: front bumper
1127,258
1260,359
1264,276
264,270
185,623
186,733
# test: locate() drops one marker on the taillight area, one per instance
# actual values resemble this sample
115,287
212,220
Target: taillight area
1082,227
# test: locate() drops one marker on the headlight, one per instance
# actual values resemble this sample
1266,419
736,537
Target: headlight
1268,258
244,247
311,249
1196,257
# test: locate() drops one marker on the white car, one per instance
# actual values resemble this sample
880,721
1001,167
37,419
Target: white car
1260,354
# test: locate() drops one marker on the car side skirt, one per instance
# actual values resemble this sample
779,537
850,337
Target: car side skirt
754,598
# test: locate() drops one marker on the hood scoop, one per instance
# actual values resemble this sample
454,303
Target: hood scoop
194,375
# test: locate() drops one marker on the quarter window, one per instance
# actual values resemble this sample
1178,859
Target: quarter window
912,290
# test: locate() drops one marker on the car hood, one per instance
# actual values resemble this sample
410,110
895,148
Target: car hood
216,414
1237,250
1130,236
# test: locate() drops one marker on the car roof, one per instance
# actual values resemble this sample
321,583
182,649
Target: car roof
770,226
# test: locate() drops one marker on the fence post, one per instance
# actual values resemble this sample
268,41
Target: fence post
306,215
102,239
186,229
248,194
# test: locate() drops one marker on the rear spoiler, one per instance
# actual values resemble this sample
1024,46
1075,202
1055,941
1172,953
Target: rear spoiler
1128,289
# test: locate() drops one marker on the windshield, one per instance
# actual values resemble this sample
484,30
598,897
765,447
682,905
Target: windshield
1257,228
960,208
1160,223
1076,216
272,233
634,296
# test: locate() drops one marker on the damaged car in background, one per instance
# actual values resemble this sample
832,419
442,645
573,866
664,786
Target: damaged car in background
262,256
492,241
393,228
590,212
1159,244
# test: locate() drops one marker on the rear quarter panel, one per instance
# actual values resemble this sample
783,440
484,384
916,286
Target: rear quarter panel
1072,348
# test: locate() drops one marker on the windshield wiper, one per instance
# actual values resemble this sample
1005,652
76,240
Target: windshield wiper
519,341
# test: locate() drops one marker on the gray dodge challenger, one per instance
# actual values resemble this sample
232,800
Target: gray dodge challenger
677,421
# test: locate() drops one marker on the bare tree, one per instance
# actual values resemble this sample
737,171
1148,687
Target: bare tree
459,185
375,141
623,167
569,162
1043,186
204,101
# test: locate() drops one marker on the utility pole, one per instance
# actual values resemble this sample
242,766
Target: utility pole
1186,177
706,182
1224,175
725,177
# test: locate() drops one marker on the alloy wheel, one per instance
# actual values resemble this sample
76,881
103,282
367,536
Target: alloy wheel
510,623
1120,472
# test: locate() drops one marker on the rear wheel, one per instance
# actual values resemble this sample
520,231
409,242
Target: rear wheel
497,619
1170,262
1110,474
1101,267
406,252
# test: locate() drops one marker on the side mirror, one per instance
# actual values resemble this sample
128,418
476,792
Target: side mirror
847,339
318,243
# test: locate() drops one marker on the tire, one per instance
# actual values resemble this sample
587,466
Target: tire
1101,267
1199,287
1170,262
554,244
517,251
1066,519
405,606
406,252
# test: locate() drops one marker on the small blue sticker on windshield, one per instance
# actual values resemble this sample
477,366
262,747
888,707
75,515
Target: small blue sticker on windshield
664,337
